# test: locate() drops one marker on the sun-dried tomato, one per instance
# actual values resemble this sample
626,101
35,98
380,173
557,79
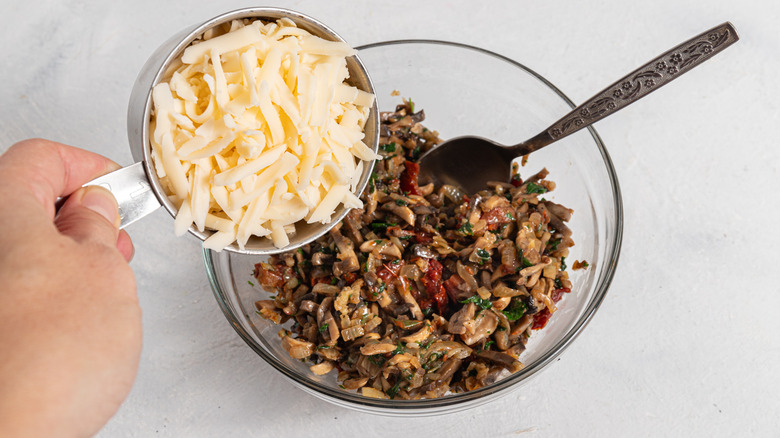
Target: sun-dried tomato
423,237
409,178
434,287
558,293
498,216
540,320
350,277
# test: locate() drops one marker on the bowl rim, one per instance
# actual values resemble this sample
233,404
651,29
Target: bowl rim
503,386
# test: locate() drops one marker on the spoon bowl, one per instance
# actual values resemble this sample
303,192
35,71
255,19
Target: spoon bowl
469,162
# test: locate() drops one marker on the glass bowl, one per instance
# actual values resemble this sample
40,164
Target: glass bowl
466,90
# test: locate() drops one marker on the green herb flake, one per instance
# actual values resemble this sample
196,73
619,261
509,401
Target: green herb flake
250,283
381,226
392,392
525,262
399,349
323,327
389,147
400,202
376,359
535,188
334,281
466,229
488,344
563,263
476,299
554,244
515,310
483,254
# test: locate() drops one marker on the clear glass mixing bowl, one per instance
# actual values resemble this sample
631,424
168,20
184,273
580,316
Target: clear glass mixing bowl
466,90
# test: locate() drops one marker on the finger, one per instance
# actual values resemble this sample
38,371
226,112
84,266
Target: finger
48,170
90,215
125,245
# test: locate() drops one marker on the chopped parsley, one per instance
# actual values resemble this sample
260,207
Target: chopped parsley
392,392
466,229
515,310
488,344
376,359
381,226
554,244
483,255
389,147
476,299
400,202
535,188
250,283
398,349
323,327
563,263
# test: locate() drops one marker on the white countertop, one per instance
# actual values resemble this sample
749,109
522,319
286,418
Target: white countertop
687,341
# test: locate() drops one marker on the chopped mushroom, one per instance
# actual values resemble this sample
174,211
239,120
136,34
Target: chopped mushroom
485,325
426,290
296,348
402,211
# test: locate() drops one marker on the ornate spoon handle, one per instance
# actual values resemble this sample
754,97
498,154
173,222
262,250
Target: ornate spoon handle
639,83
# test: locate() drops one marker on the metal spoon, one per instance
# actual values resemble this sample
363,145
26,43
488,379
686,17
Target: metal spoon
469,161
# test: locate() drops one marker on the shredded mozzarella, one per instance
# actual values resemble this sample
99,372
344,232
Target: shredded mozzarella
257,130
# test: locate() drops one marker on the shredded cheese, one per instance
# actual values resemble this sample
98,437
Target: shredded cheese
258,130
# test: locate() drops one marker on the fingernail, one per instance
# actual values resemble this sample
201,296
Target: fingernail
102,202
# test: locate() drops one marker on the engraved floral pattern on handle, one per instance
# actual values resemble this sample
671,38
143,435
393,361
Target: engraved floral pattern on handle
645,79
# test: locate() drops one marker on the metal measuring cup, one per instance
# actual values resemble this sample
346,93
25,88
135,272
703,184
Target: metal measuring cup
137,188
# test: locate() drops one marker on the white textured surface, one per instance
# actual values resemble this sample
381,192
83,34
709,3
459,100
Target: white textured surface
687,341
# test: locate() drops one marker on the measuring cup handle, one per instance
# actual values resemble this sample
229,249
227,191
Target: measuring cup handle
130,186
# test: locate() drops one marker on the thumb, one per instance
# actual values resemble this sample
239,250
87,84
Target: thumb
90,215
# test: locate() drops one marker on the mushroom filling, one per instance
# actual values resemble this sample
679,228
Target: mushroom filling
426,290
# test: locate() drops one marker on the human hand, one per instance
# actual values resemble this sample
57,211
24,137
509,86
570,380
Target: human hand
70,324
